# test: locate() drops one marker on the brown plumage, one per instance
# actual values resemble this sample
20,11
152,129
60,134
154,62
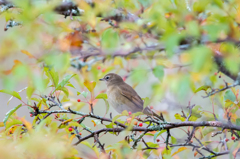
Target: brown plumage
122,96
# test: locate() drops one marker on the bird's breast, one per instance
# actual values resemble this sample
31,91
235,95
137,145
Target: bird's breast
115,99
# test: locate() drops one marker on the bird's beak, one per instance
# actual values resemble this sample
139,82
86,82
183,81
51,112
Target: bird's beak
102,79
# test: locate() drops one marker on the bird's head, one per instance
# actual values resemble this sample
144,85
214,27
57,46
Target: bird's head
112,78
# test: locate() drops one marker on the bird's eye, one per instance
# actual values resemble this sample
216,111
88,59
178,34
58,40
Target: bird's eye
107,78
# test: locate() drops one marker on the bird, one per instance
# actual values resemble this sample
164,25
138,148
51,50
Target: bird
122,96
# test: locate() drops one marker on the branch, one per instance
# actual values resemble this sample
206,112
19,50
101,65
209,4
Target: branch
190,113
166,127
215,91
217,154
81,114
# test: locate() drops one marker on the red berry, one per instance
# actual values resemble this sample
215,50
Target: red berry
140,124
31,115
80,133
233,138
130,113
124,78
79,100
226,140
98,67
215,73
151,107
103,70
158,140
70,129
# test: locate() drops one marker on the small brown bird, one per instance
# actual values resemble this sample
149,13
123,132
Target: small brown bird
123,97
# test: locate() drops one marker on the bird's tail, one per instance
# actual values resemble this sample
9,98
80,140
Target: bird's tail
148,111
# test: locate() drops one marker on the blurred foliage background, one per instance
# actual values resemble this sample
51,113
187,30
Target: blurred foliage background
172,52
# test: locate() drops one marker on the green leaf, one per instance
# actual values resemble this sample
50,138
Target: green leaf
202,88
70,85
102,96
65,81
9,113
29,91
158,72
196,113
125,112
17,92
84,94
107,105
200,58
13,93
110,39
173,140
110,126
157,134
13,122
52,75
229,95
137,114
179,117
64,89
238,124
78,93
146,102
116,117
167,151
139,75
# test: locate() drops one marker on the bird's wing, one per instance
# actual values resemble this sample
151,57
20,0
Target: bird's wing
129,93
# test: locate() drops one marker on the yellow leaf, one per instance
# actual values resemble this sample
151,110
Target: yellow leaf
12,129
179,150
90,85
118,61
1,124
71,138
67,121
178,116
27,53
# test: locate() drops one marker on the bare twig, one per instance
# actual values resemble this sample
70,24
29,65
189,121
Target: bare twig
190,113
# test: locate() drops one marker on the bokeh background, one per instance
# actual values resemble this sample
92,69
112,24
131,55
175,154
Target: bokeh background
51,39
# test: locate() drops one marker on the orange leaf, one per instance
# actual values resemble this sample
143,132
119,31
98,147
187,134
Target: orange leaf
16,62
94,123
27,124
27,53
179,150
238,13
75,39
195,153
168,15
